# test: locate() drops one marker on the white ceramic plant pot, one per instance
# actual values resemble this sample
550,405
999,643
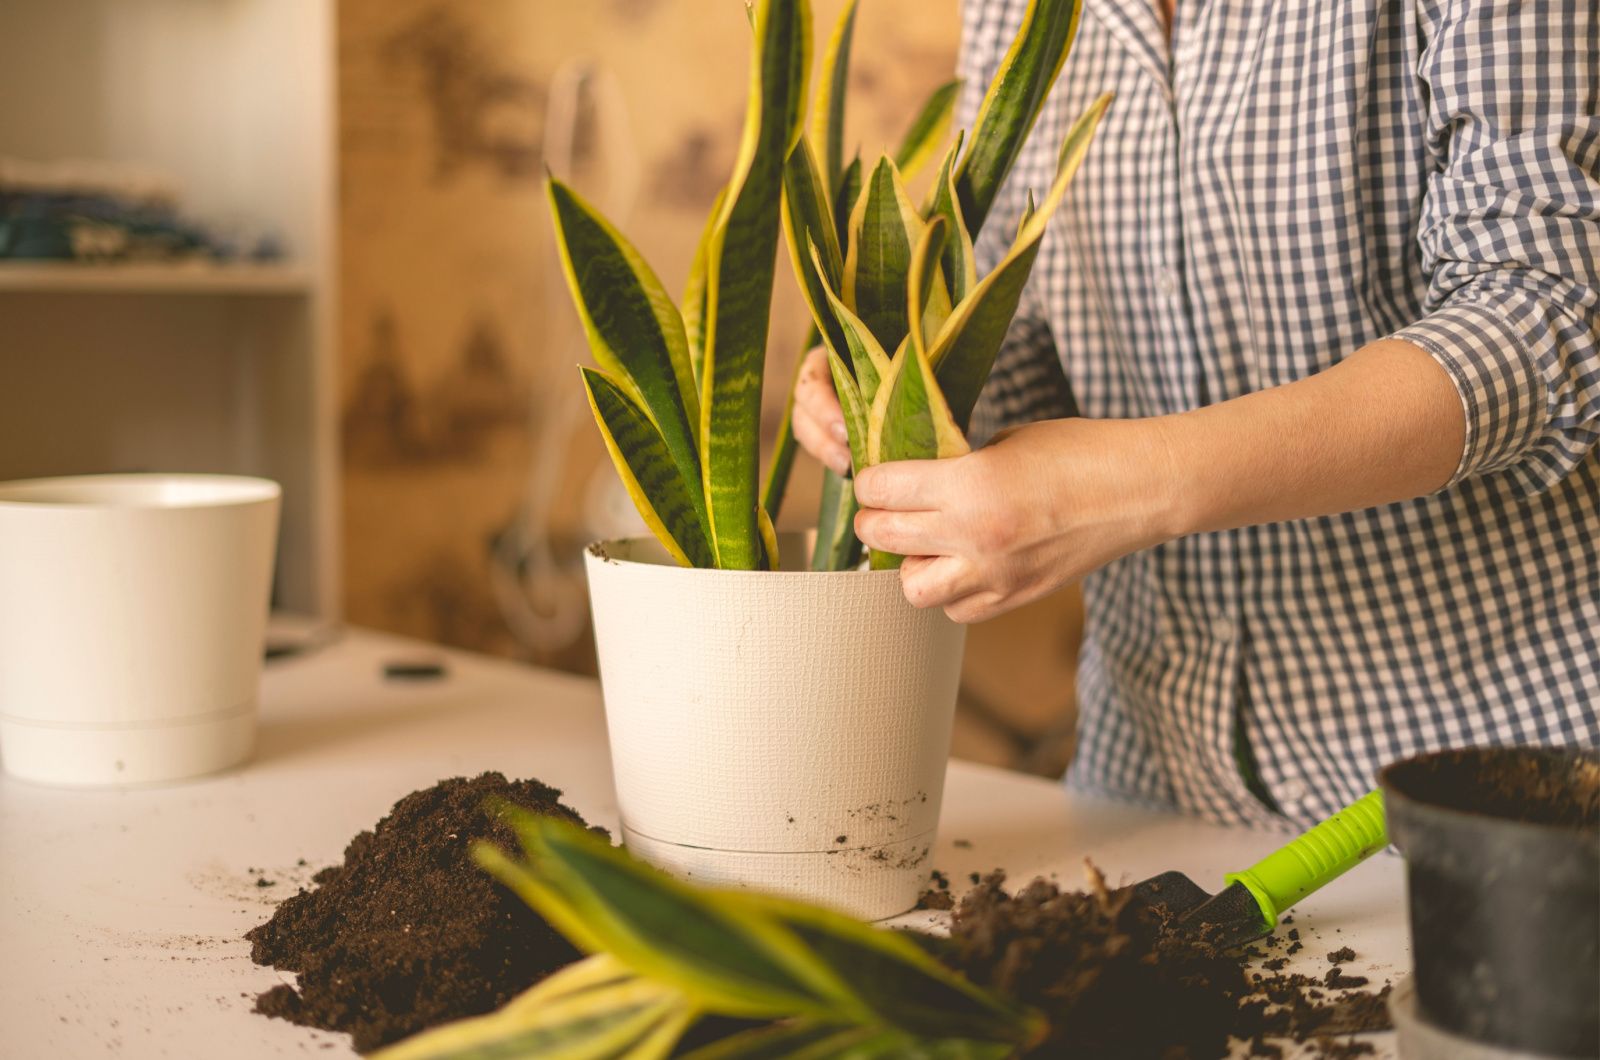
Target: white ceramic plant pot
132,617
784,731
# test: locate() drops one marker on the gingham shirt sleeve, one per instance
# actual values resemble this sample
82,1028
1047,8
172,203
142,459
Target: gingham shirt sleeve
1026,383
1510,229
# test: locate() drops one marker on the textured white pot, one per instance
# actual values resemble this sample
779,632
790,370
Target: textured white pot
785,731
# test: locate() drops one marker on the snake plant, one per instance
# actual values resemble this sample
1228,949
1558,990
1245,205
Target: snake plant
666,954
910,329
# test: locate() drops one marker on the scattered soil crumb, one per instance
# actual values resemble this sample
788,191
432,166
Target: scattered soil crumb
932,899
962,844
407,932
841,840
262,881
1342,955
1339,981
940,880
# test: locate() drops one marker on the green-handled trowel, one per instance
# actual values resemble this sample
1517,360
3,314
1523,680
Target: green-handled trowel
1249,907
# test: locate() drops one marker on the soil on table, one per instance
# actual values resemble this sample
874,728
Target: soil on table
1117,978
408,932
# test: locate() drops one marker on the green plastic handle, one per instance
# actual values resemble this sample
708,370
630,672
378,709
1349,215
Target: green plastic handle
1322,855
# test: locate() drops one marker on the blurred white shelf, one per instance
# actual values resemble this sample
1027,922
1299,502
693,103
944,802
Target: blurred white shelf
173,278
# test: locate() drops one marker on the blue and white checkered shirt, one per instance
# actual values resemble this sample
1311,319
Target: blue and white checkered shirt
1297,180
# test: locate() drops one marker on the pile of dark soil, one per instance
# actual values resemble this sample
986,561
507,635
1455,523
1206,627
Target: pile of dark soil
1117,979
408,932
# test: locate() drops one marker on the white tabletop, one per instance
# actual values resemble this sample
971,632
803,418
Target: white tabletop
122,912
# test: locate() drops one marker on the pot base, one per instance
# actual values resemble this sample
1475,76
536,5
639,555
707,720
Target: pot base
1421,1040
869,883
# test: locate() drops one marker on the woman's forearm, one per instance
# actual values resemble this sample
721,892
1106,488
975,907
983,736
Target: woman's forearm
1384,425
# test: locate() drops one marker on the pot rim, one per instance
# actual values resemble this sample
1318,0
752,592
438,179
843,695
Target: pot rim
1393,792
136,491
595,551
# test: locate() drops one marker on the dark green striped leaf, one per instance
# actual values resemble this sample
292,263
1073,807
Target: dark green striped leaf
813,245
654,481
739,283
929,128
1013,102
965,349
836,547
633,326
883,230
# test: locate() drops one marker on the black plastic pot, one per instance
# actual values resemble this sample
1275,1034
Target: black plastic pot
1502,854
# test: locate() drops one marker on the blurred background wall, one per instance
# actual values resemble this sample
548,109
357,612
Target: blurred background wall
472,475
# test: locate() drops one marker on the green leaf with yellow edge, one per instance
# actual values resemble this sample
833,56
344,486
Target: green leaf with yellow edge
927,131
813,244
866,358
634,329
910,421
898,981
884,229
964,351
591,973
722,959
958,263
694,295
1012,103
653,479
539,895
923,281
827,111
635,1017
854,408
739,277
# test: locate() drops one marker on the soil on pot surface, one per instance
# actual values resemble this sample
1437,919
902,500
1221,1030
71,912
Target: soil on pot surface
407,932
1117,979
1532,788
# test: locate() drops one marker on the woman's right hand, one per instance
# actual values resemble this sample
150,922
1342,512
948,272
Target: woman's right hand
817,419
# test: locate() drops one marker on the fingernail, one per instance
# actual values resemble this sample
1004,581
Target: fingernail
837,430
841,461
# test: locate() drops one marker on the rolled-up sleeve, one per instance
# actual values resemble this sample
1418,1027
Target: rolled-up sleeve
1026,382
1510,230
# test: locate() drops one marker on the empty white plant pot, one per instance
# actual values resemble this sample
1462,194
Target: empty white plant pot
132,617
785,731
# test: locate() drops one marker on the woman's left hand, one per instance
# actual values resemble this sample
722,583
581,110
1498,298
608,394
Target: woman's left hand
1039,507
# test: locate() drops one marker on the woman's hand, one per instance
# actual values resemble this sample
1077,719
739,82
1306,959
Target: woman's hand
817,419
1041,506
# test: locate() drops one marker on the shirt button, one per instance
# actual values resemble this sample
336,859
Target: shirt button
1292,790
1223,628
1166,282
